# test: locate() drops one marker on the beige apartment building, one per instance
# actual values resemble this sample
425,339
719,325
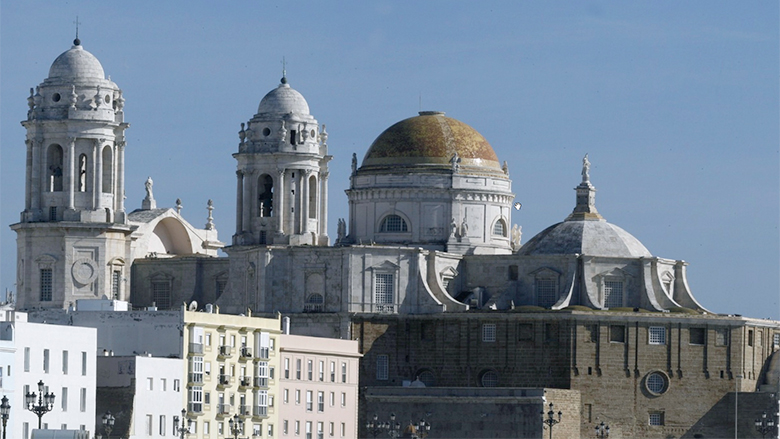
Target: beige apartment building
318,386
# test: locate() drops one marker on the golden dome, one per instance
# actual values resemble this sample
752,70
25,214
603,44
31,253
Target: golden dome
431,140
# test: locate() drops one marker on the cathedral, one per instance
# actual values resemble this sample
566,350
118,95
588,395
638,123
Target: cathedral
427,272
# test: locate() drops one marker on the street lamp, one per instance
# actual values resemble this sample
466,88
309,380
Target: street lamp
394,427
236,426
375,427
550,420
108,423
765,425
422,429
45,403
5,410
602,431
182,429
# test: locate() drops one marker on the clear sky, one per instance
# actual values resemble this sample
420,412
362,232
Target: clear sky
676,104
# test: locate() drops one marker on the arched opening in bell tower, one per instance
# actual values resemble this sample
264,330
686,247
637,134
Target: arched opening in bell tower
312,197
107,170
54,167
265,197
83,173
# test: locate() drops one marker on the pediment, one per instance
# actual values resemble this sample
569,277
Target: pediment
545,272
385,266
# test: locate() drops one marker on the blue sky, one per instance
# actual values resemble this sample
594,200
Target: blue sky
676,104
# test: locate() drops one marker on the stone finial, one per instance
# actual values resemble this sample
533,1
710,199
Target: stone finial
354,163
148,202
31,100
585,209
505,168
242,134
178,206
455,161
210,220
324,136
120,102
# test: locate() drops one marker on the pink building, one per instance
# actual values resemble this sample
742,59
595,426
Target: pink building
319,388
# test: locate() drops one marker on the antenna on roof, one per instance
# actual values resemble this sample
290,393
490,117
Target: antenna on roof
77,41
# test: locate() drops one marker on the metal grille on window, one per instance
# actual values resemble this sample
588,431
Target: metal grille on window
393,224
489,332
46,287
613,294
384,293
546,294
161,294
116,280
315,303
657,335
489,379
499,229
381,367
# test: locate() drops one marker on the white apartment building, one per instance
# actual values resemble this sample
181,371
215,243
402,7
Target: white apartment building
143,393
63,357
319,388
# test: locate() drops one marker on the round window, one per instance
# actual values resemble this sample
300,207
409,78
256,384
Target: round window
266,131
657,383
312,133
489,379
55,97
107,99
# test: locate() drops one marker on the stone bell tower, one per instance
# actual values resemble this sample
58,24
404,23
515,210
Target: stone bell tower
282,174
72,237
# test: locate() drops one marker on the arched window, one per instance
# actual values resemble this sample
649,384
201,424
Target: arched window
489,378
265,197
314,303
393,224
83,173
54,168
499,228
312,197
427,377
107,170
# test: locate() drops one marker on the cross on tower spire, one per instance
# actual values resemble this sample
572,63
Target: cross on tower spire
284,71
77,41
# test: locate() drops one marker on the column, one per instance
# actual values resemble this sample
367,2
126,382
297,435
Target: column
322,207
246,204
239,201
28,177
119,188
95,172
70,173
279,193
305,204
35,192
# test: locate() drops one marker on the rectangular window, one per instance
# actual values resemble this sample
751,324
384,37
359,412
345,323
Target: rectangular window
150,383
776,339
161,294
220,428
286,368
116,281
546,292
64,398
208,339
525,332
332,399
308,430
343,429
297,396
285,426
613,293
750,337
286,396
45,361
330,429
270,430
298,369
656,418
64,362
657,335
46,284
382,367
697,336
721,337
322,371
83,400
149,426
512,272
26,430
617,333
162,425
343,372
310,370
343,399
320,401
332,371
206,428
489,332
383,292
84,364
163,384
297,428
319,430
196,399
26,359
176,385
309,402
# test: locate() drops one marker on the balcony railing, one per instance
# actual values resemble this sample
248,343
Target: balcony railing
263,353
196,348
260,411
196,378
195,407
224,379
245,352
245,410
225,351
261,381
223,409
245,382
313,307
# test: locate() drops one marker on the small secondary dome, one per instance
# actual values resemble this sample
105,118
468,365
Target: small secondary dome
431,139
76,63
282,100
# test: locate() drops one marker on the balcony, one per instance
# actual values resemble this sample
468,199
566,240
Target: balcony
245,353
196,378
262,354
245,410
313,307
261,382
223,409
224,380
260,411
245,382
195,408
196,348
225,351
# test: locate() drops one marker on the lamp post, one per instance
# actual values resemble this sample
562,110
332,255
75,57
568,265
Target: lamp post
181,428
5,410
602,431
44,404
374,427
765,424
550,420
422,429
236,426
394,427
108,423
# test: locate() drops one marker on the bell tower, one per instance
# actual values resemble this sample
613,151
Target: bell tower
282,175
72,235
